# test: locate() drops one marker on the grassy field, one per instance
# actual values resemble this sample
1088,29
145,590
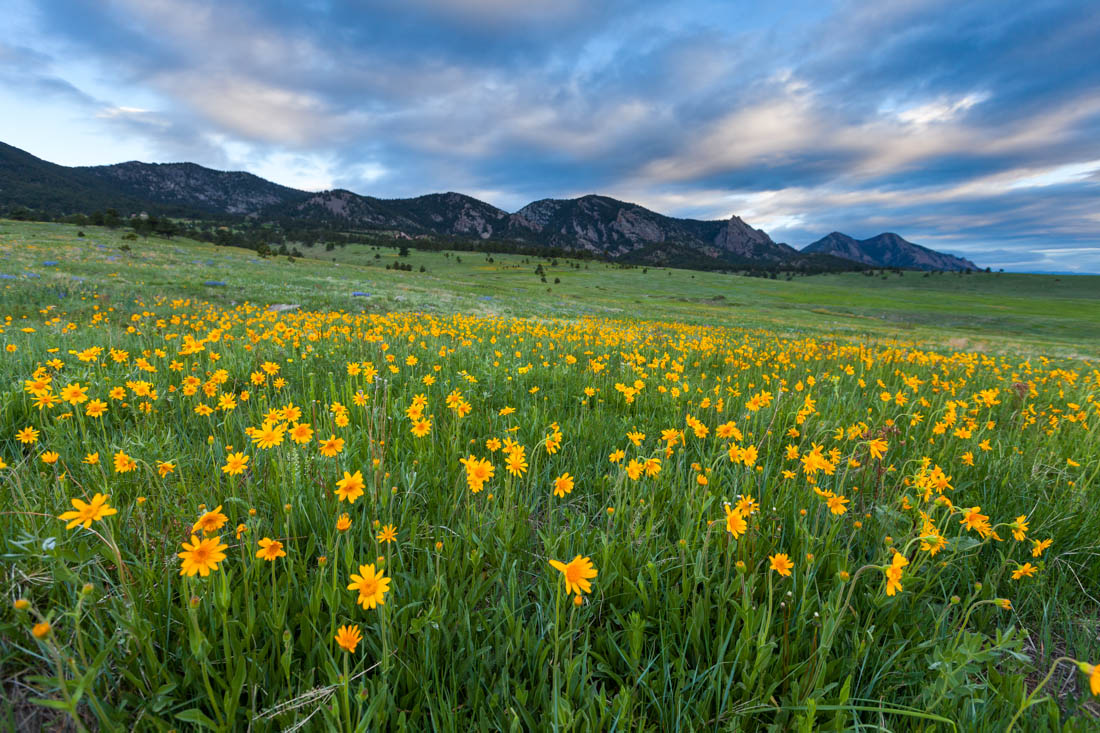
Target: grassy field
999,307
1058,315
466,499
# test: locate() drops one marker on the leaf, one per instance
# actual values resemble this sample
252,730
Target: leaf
196,716
55,704
845,691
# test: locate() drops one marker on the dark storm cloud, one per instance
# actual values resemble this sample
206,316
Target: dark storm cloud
969,124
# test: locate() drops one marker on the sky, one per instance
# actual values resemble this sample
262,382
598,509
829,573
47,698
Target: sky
968,127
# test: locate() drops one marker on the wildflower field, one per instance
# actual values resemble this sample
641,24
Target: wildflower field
220,516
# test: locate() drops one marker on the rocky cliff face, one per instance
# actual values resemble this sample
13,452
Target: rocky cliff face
592,223
455,213
739,239
537,215
887,250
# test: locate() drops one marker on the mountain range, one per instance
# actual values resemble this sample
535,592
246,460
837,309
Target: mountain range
599,225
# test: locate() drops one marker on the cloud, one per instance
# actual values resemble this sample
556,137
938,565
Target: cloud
252,110
940,110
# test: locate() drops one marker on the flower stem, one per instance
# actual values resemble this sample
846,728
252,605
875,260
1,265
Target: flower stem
1027,700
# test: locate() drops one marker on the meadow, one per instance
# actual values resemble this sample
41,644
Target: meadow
467,499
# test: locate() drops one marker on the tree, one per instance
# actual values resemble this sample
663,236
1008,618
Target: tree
140,225
165,227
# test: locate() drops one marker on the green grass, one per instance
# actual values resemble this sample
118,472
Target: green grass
686,625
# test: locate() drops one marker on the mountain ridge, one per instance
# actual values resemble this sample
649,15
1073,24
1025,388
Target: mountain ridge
592,223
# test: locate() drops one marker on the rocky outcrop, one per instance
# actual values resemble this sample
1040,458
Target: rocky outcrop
739,239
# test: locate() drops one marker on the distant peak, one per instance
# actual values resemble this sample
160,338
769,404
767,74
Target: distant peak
887,250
